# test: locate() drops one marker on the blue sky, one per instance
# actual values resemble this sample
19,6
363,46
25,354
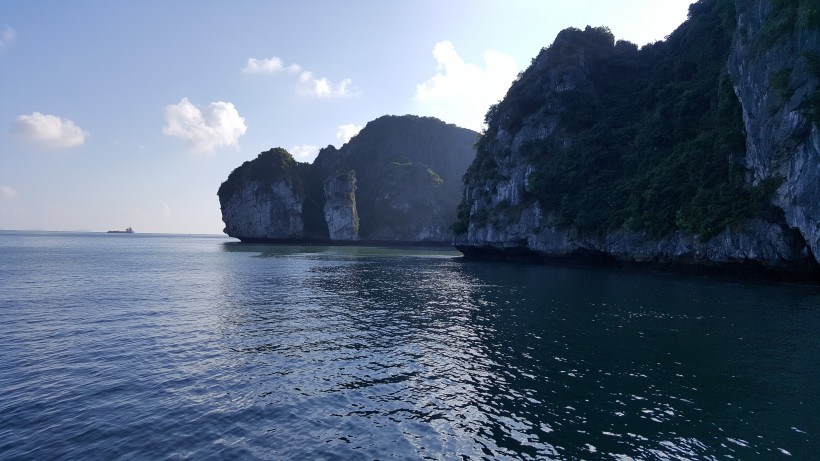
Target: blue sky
121,113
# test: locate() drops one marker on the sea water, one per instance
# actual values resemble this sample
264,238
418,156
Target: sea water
199,347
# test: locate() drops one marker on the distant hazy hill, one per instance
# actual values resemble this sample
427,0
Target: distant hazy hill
398,180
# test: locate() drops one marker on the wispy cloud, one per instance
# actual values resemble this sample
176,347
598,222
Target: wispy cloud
48,130
308,84
345,132
304,152
270,65
461,92
7,192
204,128
7,36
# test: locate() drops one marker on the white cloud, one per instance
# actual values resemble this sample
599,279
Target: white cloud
345,132
309,85
461,92
7,192
166,210
305,152
48,130
270,65
204,128
7,36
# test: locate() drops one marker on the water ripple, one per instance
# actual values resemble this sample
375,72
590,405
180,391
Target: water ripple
208,350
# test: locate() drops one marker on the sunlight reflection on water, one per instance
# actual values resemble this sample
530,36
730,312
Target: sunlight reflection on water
205,348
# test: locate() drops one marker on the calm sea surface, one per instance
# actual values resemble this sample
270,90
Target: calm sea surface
189,347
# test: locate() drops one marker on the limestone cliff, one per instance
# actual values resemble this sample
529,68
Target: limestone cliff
263,198
775,67
340,206
398,180
681,152
408,176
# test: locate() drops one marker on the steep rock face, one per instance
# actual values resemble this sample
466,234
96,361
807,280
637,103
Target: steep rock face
641,155
398,180
408,176
410,191
340,206
264,211
775,66
263,198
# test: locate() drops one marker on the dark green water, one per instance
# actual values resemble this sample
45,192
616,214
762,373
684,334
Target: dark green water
169,347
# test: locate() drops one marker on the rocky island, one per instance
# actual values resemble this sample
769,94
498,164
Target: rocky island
397,181
698,151
701,150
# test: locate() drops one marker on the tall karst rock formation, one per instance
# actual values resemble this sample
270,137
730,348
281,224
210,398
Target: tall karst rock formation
398,180
701,149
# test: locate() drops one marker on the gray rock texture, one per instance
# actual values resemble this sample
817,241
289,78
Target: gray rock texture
398,180
340,206
781,140
499,219
263,198
264,210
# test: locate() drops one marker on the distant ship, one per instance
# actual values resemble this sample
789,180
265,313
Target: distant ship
127,230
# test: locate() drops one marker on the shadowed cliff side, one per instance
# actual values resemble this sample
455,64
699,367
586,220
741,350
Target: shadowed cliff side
398,180
658,154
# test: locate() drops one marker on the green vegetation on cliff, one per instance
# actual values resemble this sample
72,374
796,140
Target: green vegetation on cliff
267,168
407,174
647,139
785,17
